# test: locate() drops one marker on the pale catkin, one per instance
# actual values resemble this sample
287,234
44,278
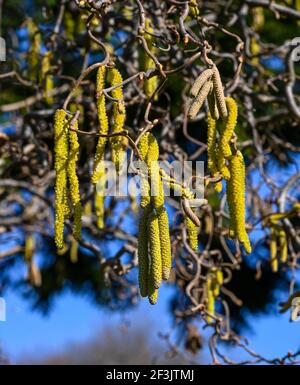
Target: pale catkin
273,250
212,104
165,243
103,125
236,199
61,149
219,93
155,252
73,179
199,82
199,100
228,127
143,257
118,143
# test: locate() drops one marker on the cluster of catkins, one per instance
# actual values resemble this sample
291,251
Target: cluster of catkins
67,183
118,143
224,160
154,246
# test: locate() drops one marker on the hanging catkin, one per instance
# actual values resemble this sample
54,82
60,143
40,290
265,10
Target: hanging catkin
236,199
228,127
273,250
219,93
212,149
143,147
119,142
192,232
143,257
104,126
210,299
35,46
199,100
212,104
47,77
200,81
155,252
283,245
165,243
148,63
73,179
61,157
156,188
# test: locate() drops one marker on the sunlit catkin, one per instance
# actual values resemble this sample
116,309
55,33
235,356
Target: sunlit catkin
236,199
61,158
211,144
273,250
200,81
228,127
219,93
104,125
155,252
99,199
148,63
165,243
119,142
143,257
192,233
143,147
199,100
29,248
156,187
210,299
283,245
73,179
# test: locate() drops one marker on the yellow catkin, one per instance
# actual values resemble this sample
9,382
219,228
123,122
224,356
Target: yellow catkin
200,81
73,180
61,157
155,252
74,251
157,192
118,143
104,125
47,77
199,100
29,248
192,232
165,243
258,18
210,299
143,147
219,277
283,245
151,84
273,250
193,8
228,127
99,200
35,45
143,257
219,93
236,199
153,296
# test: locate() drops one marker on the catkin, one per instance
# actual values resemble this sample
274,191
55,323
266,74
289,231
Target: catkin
47,78
143,257
200,81
219,93
73,180
150,85
212,104
104,125
165,243
29,248
210,299
157,191
74,251
283,245
155,252
273,250
236,199
228,127
199,100
143,147
35,45
61,158
211,144
192,232
118,143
